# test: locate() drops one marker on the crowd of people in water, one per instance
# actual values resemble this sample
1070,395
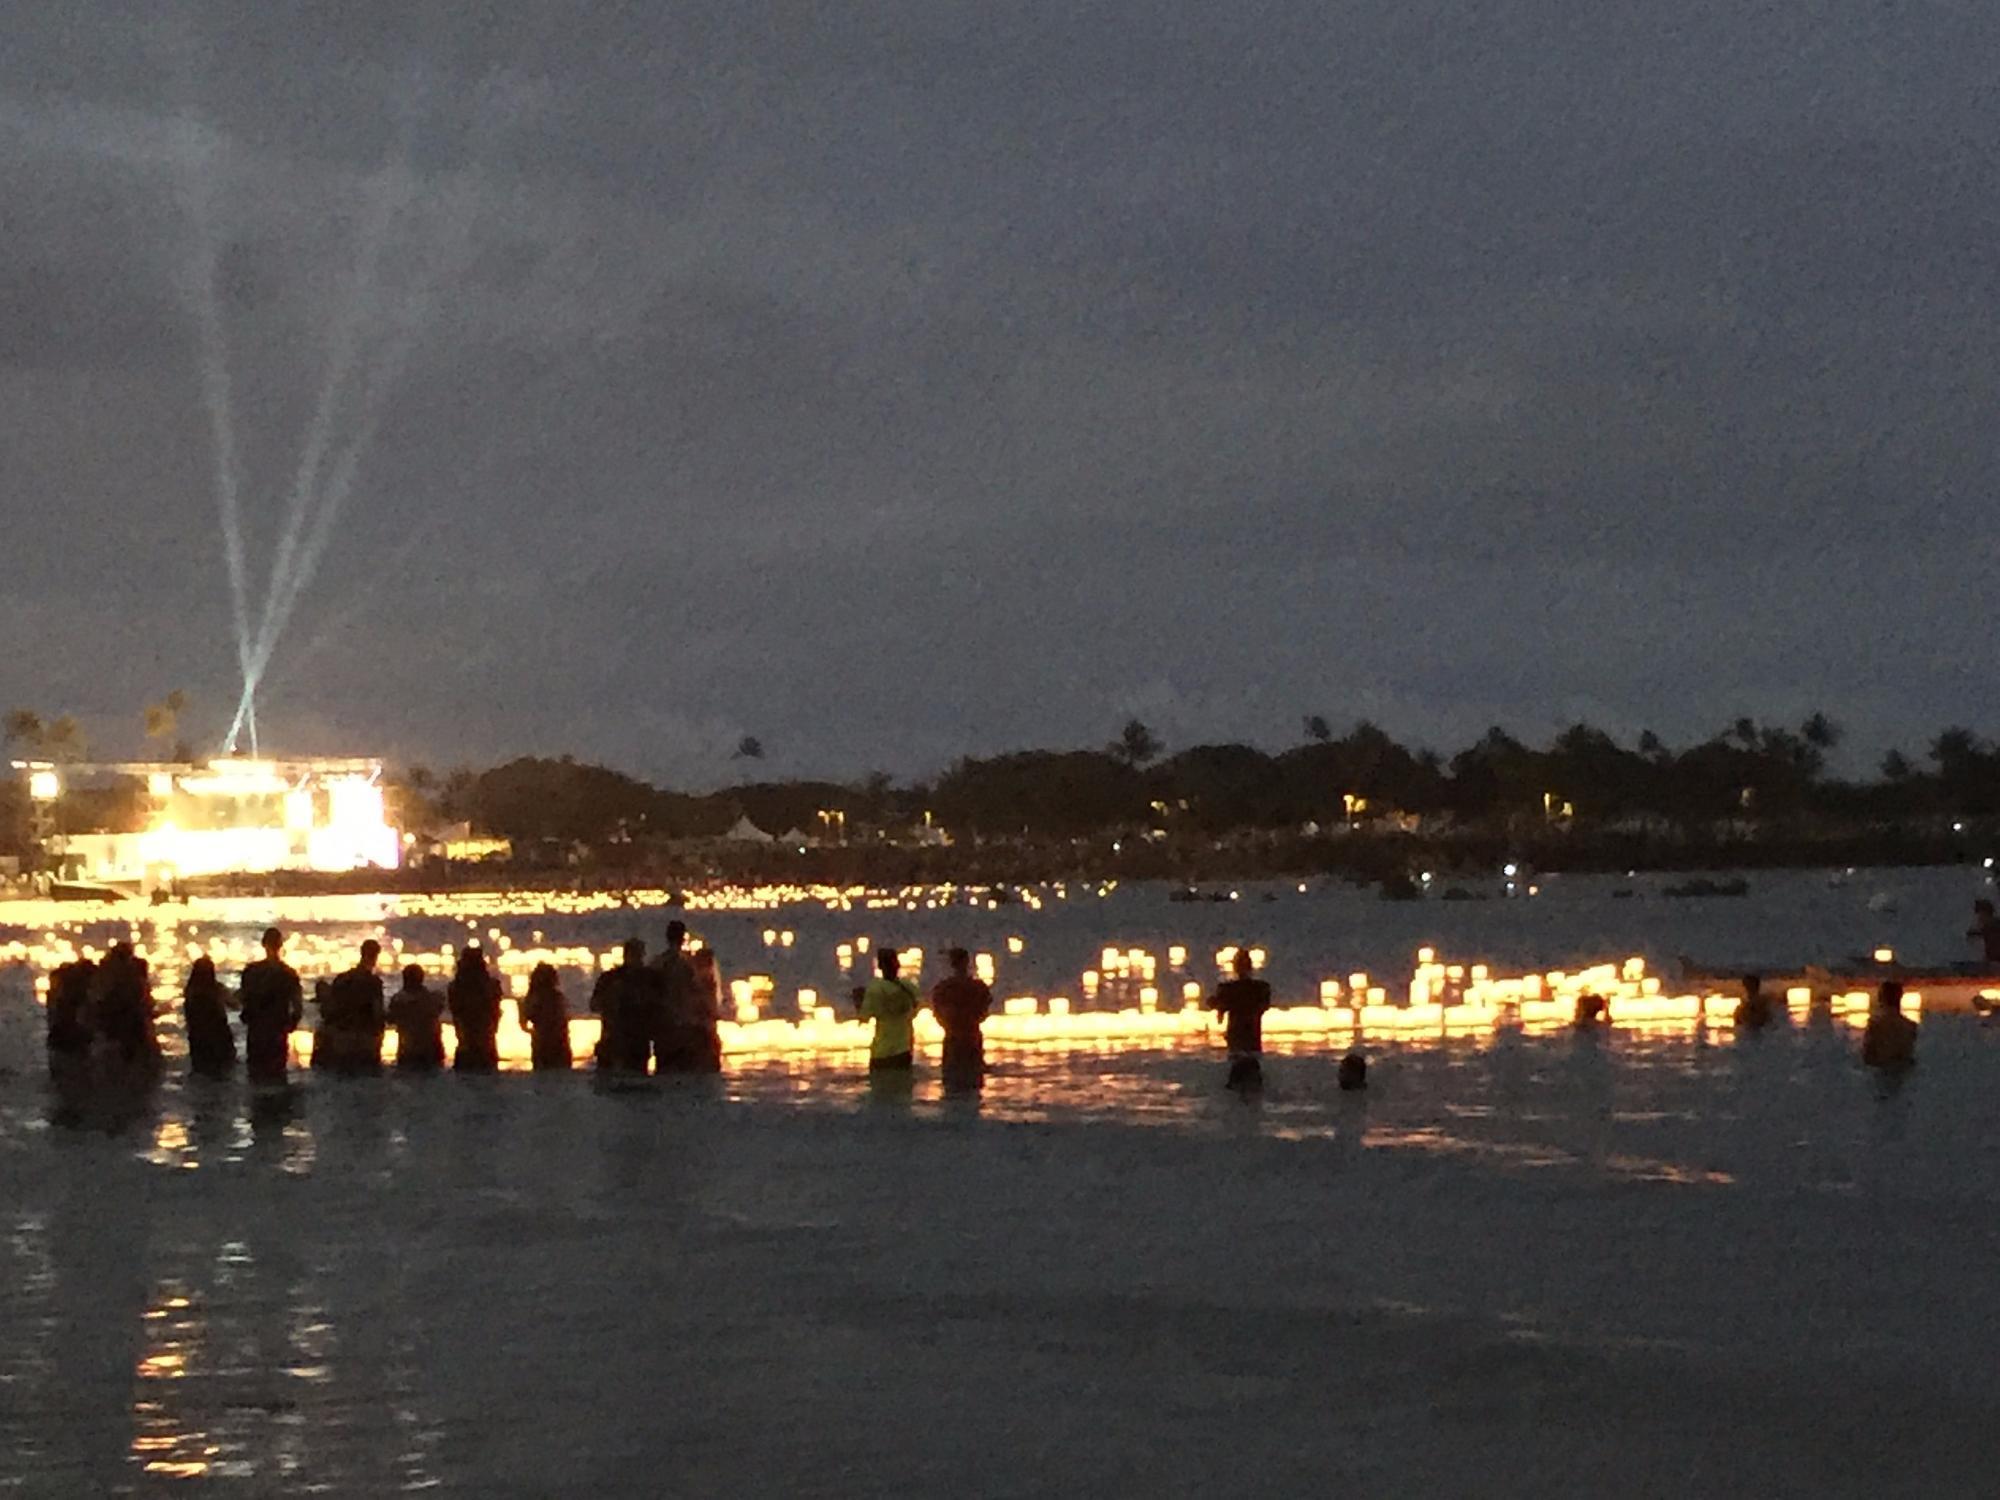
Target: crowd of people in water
660,1015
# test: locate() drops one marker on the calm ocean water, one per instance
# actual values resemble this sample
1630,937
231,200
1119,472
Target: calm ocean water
1669,1263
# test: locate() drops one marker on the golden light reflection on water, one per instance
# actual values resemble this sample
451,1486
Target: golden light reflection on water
1151,995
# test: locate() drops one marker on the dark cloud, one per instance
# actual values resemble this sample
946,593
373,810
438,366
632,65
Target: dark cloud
900,380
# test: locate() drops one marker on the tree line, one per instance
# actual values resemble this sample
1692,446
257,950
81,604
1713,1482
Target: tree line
1749,773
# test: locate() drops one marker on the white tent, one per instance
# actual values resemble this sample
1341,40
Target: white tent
743,831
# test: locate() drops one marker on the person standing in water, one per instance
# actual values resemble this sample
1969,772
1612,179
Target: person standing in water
124,1006
273,1003
961,1004
626,997
1890,1040
706,1010
1756,1010
1985,931
891,1003
545,1017
205,1018
681,1034
417,1013
349,1038
69,1017
474,998
1240,1004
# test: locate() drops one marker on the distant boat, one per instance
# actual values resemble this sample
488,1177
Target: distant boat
1701,888
91,890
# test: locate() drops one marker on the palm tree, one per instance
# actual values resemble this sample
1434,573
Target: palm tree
749,748
163,718
65,740
1136,744
1317,729
23,727
1821,732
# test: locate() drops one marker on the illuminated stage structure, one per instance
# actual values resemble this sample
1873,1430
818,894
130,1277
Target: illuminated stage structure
230,816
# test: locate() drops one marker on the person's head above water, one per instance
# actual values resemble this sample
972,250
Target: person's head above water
1242,964
273,941
413,976
887,961
370,952
960,960
676,936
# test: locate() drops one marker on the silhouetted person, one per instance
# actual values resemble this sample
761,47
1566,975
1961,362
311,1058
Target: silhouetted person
545,1016
1353,1073
1985,931
684,1040
417,1013
205,1017
123,1006
273,1003
891,1003
69,1015
708,1006
1756,1010
351,1017
1240,1004
626,996
1590,1011
961,1004
1890,1040
474,998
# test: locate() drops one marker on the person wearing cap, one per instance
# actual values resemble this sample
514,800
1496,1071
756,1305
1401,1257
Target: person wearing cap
273,1002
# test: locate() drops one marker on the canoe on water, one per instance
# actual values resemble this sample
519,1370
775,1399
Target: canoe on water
1947,989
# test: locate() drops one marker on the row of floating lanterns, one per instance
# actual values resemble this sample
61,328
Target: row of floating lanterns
1442,999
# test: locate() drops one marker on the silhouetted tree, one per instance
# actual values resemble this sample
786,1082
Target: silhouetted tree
1821,732
1136,744
1317,729
749,748
163,718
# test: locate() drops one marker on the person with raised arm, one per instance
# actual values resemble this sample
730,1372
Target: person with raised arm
891,1003
1240,1004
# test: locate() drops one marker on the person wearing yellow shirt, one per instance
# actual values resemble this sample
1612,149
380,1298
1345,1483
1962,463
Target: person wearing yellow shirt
891,1003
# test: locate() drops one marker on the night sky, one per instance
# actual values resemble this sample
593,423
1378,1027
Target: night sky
900,381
